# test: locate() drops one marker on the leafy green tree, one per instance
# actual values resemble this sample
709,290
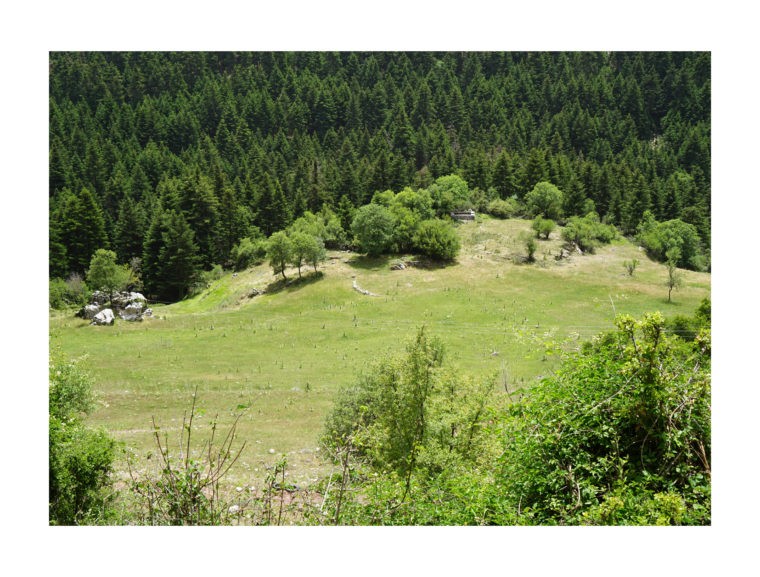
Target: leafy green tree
658,238
279,252
315,252
392,427
303,245
106,275
373,227
324,225
410,418
437,239
449,193
675,278
545,199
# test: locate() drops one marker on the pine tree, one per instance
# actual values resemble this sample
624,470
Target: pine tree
200,206
179,257
535,170
274,212
503,177
81,228
170,258
130,229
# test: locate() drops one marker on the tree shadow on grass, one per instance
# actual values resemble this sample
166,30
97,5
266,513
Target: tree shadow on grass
294,284
364,262
384,262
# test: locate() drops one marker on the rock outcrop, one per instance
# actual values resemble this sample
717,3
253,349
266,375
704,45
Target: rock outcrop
128,306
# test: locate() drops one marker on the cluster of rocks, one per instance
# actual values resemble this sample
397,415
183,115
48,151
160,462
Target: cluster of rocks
402,265
129,306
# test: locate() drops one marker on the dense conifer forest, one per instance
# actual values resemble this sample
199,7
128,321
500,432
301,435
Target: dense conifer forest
201,150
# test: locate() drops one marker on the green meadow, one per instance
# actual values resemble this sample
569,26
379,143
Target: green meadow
280,357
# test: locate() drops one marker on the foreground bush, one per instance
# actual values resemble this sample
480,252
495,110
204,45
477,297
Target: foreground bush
408,433
185,490
80,459
620,435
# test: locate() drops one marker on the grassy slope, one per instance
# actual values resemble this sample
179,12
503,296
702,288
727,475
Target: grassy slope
284,354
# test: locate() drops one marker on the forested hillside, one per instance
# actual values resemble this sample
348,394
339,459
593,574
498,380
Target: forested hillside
204,149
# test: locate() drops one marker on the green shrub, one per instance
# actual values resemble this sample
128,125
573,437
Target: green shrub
661,238
499,208
588,232
80,459
620,434
437,239
543,226
185,489
481,199
72,292
421,432
248,252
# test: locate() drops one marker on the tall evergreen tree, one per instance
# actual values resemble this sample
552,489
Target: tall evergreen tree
200,206
80,228
274,212
170,257
130,229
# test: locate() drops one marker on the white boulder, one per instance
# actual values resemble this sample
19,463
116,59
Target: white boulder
104,317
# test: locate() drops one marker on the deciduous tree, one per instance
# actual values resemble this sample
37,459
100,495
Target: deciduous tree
279,252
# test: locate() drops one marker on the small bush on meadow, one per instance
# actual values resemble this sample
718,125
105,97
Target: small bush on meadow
588,232
507,208
72,292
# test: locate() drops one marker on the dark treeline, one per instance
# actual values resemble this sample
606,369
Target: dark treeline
206,148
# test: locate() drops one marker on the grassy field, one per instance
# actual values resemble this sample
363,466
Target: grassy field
284,354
